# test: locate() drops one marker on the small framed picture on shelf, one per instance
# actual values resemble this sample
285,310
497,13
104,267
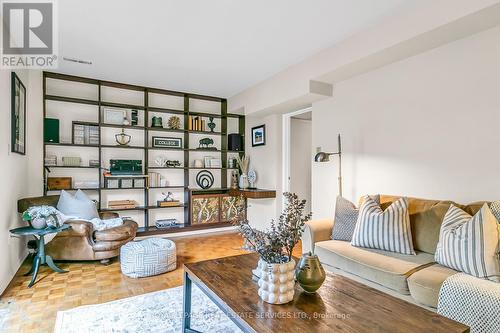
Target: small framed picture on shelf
115,116
259,135
166,142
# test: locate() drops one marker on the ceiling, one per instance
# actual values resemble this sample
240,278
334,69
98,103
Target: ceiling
216,47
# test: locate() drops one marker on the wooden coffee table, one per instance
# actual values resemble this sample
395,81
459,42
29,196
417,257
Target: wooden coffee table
340,305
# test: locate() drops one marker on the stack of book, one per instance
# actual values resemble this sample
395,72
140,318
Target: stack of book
85,134
155,180
196,124
50,160
174,203
168,223
122,204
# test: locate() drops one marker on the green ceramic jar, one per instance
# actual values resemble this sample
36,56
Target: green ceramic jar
309,273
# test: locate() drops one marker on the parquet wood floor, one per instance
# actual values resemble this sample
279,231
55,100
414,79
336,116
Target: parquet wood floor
35,309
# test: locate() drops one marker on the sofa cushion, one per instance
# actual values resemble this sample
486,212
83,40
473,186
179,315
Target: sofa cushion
426,217
470,243
387,229
388,269
425,284
346,216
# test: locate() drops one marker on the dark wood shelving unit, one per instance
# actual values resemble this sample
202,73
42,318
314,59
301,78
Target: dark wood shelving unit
145,110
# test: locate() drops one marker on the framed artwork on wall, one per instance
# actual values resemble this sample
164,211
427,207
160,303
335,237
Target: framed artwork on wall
18,115
259,135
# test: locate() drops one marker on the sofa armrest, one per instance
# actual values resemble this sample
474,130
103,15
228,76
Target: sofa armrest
125,231
316,231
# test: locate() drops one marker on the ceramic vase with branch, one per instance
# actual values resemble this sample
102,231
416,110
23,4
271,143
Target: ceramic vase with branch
243,162
276,268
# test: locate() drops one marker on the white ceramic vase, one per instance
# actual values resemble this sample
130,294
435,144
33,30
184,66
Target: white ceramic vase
276,282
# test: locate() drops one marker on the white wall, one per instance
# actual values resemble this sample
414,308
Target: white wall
267,162
427,126
301,159
20,176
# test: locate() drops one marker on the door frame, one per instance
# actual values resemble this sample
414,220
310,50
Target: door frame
286,149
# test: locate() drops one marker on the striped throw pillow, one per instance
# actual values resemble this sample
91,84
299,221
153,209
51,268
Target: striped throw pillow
346,216
470,243
387,230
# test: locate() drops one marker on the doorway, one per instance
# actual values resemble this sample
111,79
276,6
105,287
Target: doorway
297,154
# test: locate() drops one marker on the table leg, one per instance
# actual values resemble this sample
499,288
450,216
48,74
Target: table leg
186,321
50,263
36,266
32,268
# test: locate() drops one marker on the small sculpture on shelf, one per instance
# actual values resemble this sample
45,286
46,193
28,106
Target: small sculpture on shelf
211,124
205,179
123,139
174,123
168,201
157,122
173,164
252,178
234,179
206,143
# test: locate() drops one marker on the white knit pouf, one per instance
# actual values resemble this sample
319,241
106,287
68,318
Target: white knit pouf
148,257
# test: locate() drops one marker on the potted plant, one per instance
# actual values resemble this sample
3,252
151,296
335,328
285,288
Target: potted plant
41,217
276,266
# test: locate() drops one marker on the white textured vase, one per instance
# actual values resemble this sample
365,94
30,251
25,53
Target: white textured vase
276,282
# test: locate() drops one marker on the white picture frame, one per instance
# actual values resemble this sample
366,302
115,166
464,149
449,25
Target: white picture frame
114,116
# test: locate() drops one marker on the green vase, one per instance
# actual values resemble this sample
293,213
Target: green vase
309,273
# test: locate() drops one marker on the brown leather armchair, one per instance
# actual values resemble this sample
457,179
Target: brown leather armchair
82,242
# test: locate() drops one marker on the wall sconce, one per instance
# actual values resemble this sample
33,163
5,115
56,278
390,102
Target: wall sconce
325,157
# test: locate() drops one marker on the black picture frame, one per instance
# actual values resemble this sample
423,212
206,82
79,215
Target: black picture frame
258,136
175,143
18,115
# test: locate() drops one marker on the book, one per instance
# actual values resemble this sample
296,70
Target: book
162,203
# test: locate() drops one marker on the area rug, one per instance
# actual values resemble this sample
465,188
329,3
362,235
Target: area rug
158,312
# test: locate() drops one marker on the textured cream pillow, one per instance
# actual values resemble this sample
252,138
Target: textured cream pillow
470,244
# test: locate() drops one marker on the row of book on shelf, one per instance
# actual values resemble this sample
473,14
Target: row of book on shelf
84,134
196,124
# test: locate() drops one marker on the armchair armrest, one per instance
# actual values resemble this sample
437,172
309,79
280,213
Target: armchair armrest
108,215
78,229
316,231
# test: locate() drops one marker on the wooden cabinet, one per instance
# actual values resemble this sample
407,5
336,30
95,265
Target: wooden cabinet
213,208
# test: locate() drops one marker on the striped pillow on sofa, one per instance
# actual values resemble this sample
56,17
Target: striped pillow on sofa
387,230
470,243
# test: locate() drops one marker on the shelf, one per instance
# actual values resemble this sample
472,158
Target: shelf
135,127
120,188
168,168
152,230
71,167
122,147
204,114
138,208
122,106
75,189
158,207
162,129
167,187
161,110
69,145
234,115
71,100
206,132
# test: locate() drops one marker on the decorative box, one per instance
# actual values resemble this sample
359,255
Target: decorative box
94,163
139,182
112,182
127,183
71,161
167,223
59,183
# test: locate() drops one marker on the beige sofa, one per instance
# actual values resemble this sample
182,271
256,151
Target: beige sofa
414,278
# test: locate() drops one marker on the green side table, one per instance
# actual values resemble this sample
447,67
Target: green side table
40,257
